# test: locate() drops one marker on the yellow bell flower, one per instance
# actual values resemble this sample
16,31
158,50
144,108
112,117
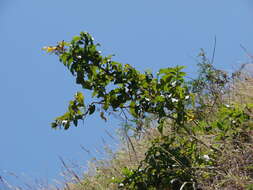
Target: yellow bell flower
49,49
55,49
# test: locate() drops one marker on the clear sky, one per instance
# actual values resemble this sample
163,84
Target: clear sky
147,34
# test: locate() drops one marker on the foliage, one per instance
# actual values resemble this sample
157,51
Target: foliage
195,120
119,87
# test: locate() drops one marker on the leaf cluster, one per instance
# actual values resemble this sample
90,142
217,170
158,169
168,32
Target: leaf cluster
118,87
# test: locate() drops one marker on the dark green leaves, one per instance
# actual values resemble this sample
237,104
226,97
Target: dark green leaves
92,109
116,86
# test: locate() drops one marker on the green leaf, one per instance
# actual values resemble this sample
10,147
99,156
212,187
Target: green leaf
220,126
133,109
75,122
160,128
102,115
76,38
54,125
92,109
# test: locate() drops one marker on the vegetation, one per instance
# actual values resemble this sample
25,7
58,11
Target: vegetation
178,134
183,134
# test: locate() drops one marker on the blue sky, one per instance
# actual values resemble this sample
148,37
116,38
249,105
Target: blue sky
146,34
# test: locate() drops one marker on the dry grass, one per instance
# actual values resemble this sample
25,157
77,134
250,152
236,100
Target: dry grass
101,173
234,169
242,91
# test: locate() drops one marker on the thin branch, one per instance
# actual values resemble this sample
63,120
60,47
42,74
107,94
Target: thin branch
128,138
214,50
246,51
69,170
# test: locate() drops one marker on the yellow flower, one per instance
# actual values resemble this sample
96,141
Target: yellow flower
60,48
49,49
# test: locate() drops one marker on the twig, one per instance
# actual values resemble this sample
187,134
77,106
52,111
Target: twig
214,49
128,138
69,170
246,51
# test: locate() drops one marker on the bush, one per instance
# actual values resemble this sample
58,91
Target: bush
203,134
